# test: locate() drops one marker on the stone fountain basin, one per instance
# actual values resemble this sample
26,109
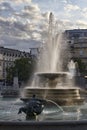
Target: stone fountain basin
51,75
62,96
53,86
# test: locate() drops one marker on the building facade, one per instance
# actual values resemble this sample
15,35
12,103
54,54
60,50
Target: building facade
7,58
77,40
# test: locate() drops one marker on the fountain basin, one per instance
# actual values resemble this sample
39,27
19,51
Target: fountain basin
62,96
56,87
51,75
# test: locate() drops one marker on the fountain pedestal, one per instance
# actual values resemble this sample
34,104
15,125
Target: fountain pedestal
55,87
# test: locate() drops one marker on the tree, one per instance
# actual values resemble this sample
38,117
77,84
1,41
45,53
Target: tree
10,73
23,68
81,65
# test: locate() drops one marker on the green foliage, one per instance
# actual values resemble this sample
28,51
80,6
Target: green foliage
81,65
9,77
23,68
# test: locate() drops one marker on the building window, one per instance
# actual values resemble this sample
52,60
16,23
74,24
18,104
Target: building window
81,52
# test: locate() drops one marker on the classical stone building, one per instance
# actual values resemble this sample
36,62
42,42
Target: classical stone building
77,40
7,58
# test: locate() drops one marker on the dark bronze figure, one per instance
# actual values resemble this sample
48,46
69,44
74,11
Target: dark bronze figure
32,108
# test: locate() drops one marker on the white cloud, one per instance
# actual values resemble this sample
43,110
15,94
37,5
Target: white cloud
84,9
70,7
18,1
81,24
32,7
6,10
36,36
84,12
65,1
65,24
46,15
21,27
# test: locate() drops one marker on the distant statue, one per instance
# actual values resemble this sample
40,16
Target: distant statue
32,108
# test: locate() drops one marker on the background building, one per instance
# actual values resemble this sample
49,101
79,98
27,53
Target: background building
77,40
7,58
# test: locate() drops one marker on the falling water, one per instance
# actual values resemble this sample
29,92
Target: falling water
54,103
54,52
72,68
51,80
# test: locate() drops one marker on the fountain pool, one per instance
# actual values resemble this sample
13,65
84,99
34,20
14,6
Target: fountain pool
9,111
55,77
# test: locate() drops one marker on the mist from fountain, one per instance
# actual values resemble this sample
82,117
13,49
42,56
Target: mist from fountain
72,68
54,77
54,54
55,51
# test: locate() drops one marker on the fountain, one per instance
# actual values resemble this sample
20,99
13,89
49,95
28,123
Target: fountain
55,75
54,81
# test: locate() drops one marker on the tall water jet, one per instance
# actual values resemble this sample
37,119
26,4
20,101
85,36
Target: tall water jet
52,79
54,51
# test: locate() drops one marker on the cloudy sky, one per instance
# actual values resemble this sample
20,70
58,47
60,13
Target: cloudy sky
24,23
